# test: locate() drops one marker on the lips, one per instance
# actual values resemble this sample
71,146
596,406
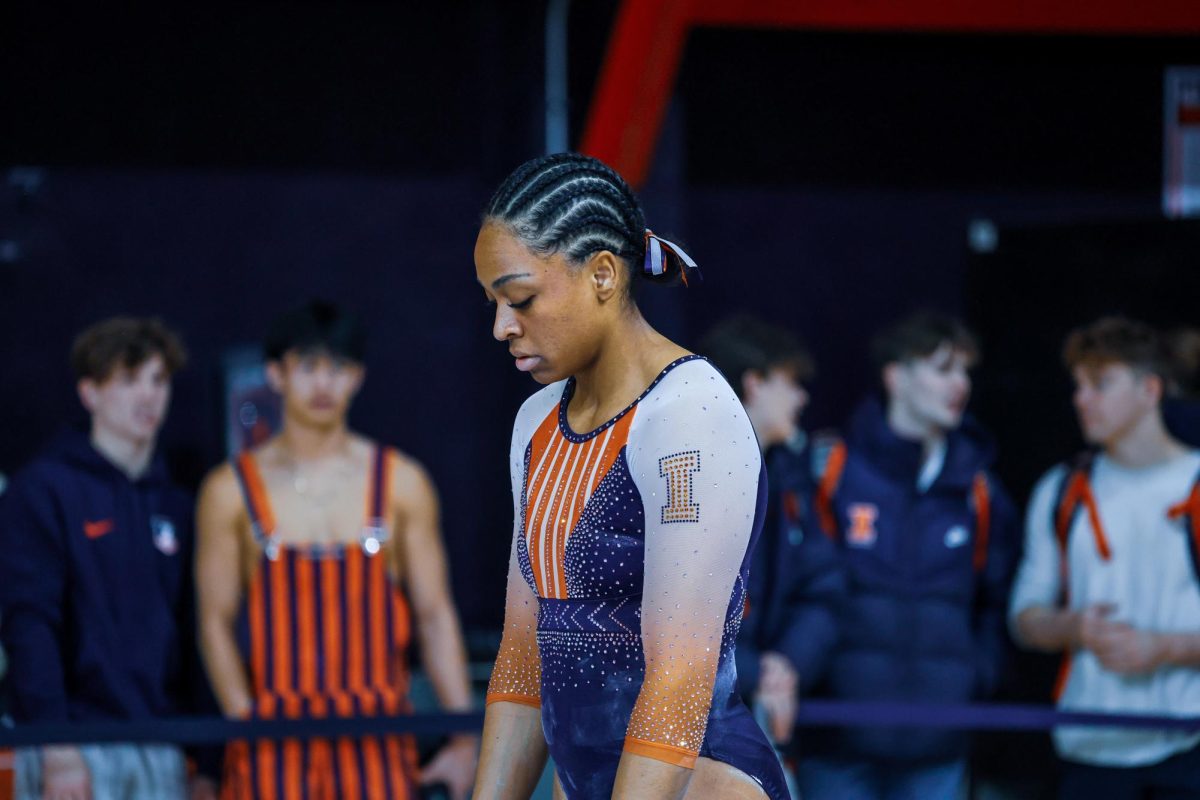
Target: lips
525,362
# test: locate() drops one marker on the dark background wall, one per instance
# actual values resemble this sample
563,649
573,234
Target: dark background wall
218,167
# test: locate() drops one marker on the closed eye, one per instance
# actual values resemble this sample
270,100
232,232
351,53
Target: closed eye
523,304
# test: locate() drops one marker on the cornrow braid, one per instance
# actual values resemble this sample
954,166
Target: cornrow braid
575,205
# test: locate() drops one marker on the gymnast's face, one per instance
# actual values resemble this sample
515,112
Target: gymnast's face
552,314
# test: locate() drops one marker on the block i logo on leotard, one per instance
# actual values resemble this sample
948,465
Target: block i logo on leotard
678,469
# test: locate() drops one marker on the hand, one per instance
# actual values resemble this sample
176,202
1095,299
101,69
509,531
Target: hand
202,787
65,776
1118,646
777,687
454,765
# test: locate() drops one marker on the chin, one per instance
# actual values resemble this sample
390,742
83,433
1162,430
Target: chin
546,376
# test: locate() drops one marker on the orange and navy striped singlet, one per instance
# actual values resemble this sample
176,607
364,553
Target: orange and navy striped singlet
324,631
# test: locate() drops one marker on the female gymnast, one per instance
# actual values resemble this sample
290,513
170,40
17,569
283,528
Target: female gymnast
638,492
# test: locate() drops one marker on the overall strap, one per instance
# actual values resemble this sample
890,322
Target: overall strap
375,532
982,501
1189,509
258,506
377,486
829,458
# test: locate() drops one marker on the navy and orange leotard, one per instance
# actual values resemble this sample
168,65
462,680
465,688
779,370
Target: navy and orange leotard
627,580
324,632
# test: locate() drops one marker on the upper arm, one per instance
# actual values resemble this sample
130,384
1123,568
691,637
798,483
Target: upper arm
419,548
220,516
1038,580
33,570
517,675
697,466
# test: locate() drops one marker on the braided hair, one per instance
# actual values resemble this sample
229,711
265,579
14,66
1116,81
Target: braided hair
575,205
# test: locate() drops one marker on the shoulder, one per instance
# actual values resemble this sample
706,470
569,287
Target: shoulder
408,477
1047,486
693,387
534,410
692,407
220,487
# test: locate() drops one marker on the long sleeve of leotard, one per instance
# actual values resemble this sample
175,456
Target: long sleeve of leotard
696,463
517,675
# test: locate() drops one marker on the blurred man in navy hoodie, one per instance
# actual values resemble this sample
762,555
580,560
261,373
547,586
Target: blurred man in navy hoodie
95,583
796,581
929,543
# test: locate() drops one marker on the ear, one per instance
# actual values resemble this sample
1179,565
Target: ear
752,382
87,390
274,372
604,272
892,375
1153,388
360,376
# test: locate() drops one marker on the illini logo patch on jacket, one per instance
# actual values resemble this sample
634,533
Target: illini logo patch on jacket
861,532
163,531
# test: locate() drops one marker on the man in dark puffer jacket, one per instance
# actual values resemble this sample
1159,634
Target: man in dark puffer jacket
929,542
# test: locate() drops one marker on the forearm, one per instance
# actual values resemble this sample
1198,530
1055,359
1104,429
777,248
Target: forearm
513,752
444,657
226,671
642,778
1050,630
1181,650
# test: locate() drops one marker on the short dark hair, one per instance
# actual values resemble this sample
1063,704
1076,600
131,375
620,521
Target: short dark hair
579,206
317,325
743,343
1120,340
125,342
919,335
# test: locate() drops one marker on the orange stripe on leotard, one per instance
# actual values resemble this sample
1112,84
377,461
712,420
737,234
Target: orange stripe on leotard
558,492
564,484
539,550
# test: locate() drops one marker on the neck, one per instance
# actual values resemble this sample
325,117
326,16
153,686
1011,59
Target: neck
762,429
131,456
908,426
1145,444
627,360
311,443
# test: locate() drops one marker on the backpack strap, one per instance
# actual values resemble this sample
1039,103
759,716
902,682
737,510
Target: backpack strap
829,462
982,502
1074,493
1189,510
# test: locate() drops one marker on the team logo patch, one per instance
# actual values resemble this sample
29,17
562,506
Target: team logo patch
678,469
163,532
861,532
792,510
957,536
94,529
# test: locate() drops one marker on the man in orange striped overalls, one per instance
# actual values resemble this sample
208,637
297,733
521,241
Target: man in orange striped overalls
312,550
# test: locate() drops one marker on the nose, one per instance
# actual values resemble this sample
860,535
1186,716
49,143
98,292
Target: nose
505,326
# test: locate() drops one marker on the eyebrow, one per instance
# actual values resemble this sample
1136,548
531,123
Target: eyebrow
503,279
